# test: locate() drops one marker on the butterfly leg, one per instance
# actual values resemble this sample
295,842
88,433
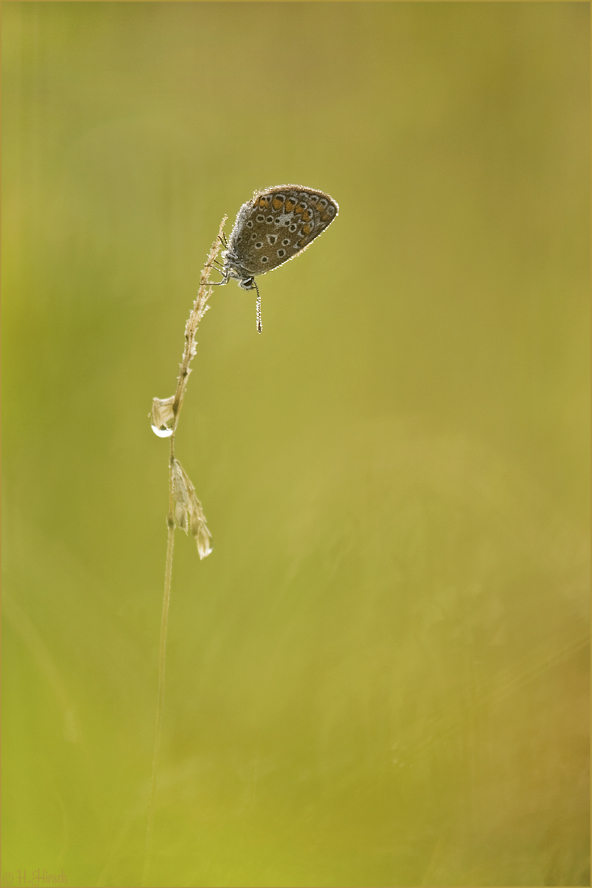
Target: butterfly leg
225,277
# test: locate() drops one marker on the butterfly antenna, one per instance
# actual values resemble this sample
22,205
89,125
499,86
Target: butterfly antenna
259,324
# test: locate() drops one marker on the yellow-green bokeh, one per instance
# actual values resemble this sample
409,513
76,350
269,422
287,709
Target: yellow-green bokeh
379,677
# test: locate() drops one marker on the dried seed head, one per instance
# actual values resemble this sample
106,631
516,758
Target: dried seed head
162,416
188,513
203,538
180,497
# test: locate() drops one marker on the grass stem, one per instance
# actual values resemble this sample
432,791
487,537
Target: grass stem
184,511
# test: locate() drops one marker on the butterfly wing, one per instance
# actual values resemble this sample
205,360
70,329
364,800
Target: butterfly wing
278,224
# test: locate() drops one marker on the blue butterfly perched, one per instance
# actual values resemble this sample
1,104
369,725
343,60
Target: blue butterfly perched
276,225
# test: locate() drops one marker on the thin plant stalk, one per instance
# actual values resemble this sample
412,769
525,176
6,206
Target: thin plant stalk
184,511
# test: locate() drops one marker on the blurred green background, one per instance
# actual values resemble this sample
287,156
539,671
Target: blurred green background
379,677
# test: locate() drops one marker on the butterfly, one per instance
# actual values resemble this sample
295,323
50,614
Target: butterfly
276,225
